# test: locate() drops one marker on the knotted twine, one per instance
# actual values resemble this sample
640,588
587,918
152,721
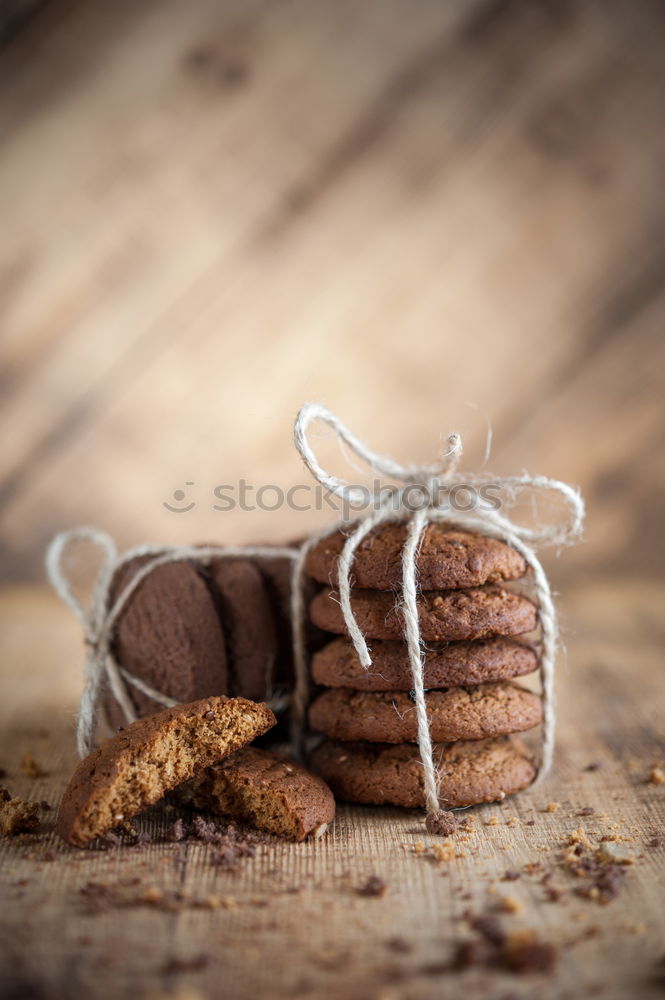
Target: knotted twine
429,483
99,620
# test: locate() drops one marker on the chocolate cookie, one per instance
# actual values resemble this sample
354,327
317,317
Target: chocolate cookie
276,575
248,625
139,764
446,558
447,664
459,713
169,635
447,614
270,792
469,773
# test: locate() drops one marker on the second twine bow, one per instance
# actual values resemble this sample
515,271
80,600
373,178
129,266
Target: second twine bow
420,499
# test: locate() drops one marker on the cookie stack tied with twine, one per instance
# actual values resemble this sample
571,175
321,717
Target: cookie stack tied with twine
425,715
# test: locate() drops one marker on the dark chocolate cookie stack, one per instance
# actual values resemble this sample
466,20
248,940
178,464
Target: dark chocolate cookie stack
469,623
191,631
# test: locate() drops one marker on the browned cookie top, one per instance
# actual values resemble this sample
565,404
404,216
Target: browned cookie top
459,713
447,664
446,558
468,773
447,614
271,792
139,764
169,635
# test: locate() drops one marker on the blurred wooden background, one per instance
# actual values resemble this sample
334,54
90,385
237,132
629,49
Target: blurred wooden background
429,215
212,212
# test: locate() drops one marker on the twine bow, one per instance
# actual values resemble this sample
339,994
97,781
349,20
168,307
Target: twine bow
428,483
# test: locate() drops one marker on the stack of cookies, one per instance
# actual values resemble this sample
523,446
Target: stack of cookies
471,625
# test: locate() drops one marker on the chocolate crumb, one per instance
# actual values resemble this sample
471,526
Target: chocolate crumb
109,840
518,951
586,811
373,887
490,928
442,823
524,952
593,766
473,952
175,966
100,897
399,944
511,876
176,831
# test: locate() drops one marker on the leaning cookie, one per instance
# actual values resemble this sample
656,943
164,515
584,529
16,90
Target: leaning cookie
446,664
269,792
138,765
447,614
468,773
460,713
445,558
248,625
168,635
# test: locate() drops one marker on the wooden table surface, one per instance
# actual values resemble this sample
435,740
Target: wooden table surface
291,921
212,212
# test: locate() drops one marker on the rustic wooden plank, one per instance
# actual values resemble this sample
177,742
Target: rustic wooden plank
459,202
292,921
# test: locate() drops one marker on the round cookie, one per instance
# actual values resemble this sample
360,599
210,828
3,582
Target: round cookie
468,772
460,713
446,558
248,625
169,635
272,793
447,614
447,664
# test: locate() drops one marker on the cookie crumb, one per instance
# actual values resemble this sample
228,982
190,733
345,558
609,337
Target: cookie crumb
524,952
442,823
374,887
510,904
30,768
552,807
17,815
657,776
400,945
617,854
176,831
443,852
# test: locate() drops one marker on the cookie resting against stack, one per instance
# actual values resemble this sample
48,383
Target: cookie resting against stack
201,752
470,624
192,631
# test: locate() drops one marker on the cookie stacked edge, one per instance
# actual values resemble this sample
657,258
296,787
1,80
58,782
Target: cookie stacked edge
472,627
